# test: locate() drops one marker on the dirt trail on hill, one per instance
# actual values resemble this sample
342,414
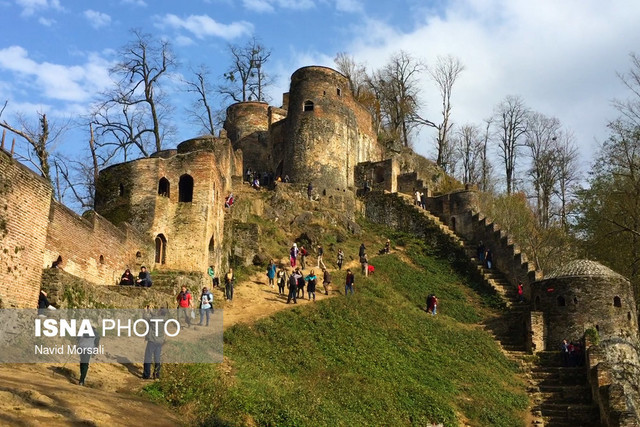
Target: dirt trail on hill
44,394
254,299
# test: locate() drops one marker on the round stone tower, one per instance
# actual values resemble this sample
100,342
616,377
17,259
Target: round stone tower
328,132
581,295
246,118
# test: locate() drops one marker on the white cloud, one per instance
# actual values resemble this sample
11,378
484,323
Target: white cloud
46,22
202,26
76,83
140,3
349,6
183,41
258,6
97,19
29,7
561,57
262,6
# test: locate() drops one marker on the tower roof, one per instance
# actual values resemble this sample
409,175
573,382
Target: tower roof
582,268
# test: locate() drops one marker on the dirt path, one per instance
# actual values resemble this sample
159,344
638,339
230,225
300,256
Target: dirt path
39,394
255,299
43,394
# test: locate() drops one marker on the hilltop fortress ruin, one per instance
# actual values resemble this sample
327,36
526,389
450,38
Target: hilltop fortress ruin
167,212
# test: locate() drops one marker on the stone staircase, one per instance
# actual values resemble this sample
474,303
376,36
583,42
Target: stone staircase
560,396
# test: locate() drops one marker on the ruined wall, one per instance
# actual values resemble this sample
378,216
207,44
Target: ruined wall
188,234
378,175
24,211
327,132
92,248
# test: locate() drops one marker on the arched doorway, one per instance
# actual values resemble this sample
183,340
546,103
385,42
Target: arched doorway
212,253
185,188
161,249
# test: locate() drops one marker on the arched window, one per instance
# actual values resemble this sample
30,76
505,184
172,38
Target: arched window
308,106
164,187
617,302
453,223
338,91
561,302
161,249
138,254
101,259
121,190
185,187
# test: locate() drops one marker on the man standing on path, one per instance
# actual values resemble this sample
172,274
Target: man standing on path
326,280
303,257
293,288
340,259
349,281
184,302
229,278
320,256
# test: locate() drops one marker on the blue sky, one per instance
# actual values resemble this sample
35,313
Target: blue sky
560,56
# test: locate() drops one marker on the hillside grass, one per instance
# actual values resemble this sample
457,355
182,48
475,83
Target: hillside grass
375,358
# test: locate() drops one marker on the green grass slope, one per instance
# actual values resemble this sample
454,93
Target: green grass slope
375,358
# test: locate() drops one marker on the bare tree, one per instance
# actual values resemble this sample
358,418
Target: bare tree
354,71
468,146
511,121
486,168
444,74
201,112
568,173
40,140
630,107
541,139
398,92
136,107
245,76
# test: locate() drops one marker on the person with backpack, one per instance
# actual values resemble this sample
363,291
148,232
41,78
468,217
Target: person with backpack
303,257
340,259
326,280
300,280
229,278
206,305
293,288
282,280
184,302
271,272
320,251
349,281
311,285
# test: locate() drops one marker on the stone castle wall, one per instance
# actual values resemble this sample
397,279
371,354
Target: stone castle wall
92,248
188,234
327,132
25,199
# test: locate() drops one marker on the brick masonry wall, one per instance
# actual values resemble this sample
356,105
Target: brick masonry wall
188,227
24,210
92,248
324,145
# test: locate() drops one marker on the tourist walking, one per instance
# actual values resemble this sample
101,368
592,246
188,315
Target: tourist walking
271,273
155,340
212,274
520,292
229,279
417,201
362,250
300,281
349,282
206,305
293,255
488,259
340,259
184,302
293,288
88,342
303,257
364,263
282,280
320,251
326,280
311,285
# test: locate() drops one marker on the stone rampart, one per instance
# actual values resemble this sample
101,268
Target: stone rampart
25,199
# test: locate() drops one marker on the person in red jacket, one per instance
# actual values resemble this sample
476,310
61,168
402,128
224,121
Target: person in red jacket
184,302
